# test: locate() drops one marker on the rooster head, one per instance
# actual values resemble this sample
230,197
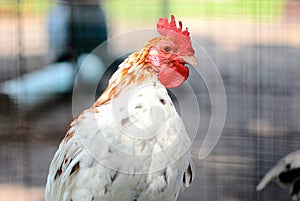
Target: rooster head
170,52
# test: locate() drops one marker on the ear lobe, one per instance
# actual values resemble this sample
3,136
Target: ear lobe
153,57
172,77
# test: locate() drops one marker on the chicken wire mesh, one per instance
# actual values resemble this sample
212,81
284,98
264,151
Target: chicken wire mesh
254,45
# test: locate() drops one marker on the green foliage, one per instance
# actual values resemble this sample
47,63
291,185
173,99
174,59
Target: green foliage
147,10
262,9
27,7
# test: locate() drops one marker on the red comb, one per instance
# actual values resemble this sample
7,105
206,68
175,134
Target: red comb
165,28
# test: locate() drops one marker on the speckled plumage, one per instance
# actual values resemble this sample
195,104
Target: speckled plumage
131,145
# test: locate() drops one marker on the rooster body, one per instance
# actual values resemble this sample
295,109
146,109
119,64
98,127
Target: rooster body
127,151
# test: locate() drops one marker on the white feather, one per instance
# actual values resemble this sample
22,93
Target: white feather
119,166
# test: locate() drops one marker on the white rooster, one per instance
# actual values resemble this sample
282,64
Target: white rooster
131,145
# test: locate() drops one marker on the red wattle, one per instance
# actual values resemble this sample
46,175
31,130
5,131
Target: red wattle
174,76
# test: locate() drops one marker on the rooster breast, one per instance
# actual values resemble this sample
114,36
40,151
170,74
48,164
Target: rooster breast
133,148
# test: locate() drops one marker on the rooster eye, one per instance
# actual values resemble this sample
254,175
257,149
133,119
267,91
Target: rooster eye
167,49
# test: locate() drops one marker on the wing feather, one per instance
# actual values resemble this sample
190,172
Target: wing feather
66,158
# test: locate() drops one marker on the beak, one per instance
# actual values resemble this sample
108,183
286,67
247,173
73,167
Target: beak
189,60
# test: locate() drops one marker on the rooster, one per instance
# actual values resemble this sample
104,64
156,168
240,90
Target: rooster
287,173
139,155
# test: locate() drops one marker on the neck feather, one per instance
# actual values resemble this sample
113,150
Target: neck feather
134,71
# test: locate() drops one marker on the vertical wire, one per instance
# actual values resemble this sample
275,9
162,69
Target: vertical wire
257,21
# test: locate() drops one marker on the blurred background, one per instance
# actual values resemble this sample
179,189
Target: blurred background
255,45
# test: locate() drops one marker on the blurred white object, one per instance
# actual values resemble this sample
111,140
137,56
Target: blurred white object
91,68
287,173
35,87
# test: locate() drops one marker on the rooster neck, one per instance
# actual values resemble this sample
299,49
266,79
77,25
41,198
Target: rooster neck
135,71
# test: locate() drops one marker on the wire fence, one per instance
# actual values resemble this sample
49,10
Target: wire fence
254,44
